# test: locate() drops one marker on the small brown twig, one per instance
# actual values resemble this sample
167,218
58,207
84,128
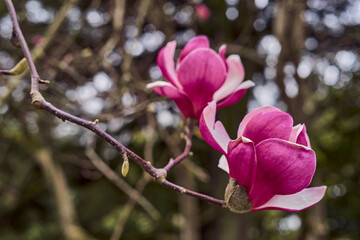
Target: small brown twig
186,152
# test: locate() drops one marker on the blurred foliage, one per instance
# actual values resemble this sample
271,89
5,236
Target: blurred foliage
92,85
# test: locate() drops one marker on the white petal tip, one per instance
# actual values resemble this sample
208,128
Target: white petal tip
157,84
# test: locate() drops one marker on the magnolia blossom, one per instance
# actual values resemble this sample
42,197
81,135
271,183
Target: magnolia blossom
202,11
270,164
201,76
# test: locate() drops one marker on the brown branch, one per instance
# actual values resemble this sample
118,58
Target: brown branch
39,50
39,102
173,145
34,74
186,152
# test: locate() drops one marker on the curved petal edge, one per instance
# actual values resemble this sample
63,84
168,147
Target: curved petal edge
295,202
214,133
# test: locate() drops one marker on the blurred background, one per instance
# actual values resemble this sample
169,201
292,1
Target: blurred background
99,56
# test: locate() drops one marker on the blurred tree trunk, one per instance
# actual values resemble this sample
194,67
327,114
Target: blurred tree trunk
189,206
68,219
289,29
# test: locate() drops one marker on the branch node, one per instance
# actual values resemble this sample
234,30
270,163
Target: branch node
160,175
96,121
14,40
37,99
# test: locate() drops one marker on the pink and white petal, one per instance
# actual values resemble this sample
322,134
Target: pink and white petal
200,41
283,168
295,132
223,164
236,95
201,73
235,76
252,114
303,138
299,135
295,202
222,51
232,99
241,158
168,90
213,133
267,125
165,61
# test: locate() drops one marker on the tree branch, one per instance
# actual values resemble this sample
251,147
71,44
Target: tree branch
39,102
188,131
24,47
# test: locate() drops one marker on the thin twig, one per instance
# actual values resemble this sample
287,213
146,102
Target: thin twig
34,74
173,145
39,102
186,152
120,183
39,50
158,174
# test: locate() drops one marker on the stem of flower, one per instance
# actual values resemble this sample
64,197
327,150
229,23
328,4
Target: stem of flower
186,152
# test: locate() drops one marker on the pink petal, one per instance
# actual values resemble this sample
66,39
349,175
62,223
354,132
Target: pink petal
242,162
196,42
223,164
235,75
165,61
213,133
222,51
274,124
283,168
236,95
201,73
202,11
295,202
168,90
299,135
303,138
252,114
295,132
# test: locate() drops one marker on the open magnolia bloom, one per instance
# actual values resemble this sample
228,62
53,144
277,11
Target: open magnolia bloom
270,164
201,76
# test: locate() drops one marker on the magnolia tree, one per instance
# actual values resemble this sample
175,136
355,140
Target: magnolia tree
270,162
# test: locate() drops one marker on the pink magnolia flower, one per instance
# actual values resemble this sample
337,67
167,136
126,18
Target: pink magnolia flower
201,76
202,11
271,161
